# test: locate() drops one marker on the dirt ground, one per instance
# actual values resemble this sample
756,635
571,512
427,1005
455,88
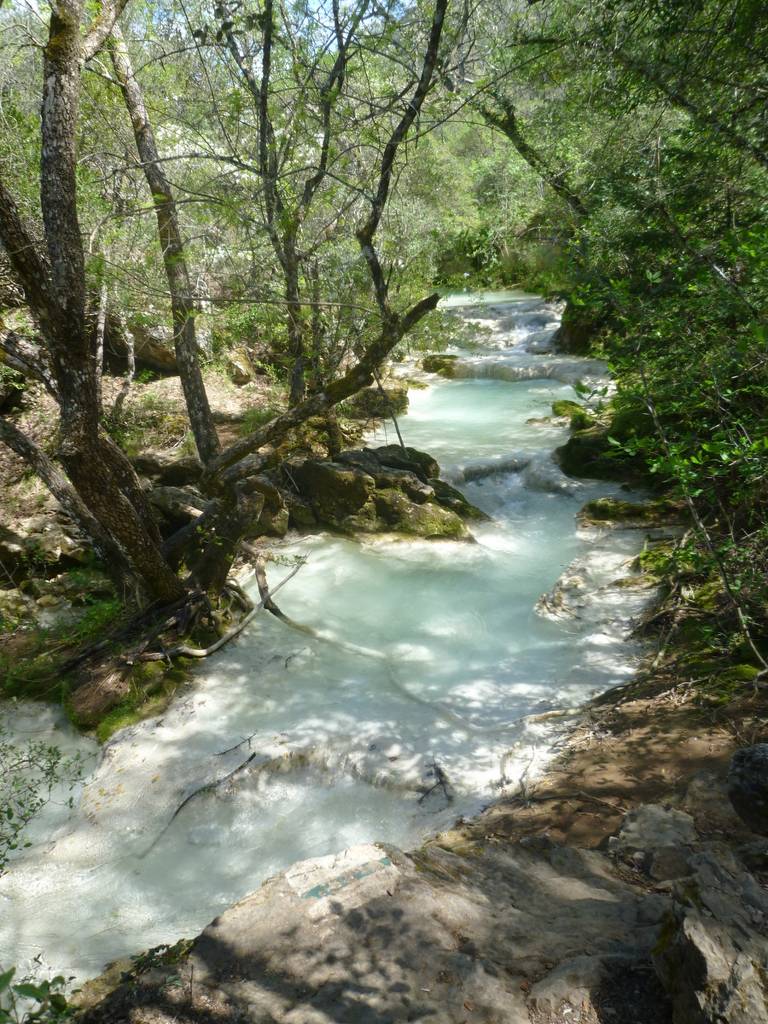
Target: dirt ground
653,741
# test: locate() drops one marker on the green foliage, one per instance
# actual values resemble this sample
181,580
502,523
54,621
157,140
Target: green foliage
37,674
33,1002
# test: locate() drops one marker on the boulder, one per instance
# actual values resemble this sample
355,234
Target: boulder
153,347
497,932
14,606
579,326
712,955
588,453
748,786
441,364
240,367
376,403
655,840
167,469
397,457
178,505
401,515
578,416
452,498
401,479
274,517
333,490
629,514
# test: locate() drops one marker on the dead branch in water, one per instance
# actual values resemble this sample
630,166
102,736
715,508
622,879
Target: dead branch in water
205,652
441,782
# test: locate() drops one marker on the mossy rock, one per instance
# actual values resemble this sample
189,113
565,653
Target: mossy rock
615,512
429,520
579,418
588,453
579,329
441,364
373,403
420,463
332,490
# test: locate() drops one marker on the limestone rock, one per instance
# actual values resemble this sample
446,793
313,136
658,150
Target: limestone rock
178,505
14,606
374,935
167,469
402,515
713,951
629,515
333,490
153,347
240,368
419,463
656,840
748,786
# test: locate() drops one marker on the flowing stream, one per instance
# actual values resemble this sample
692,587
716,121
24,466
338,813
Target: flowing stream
425,695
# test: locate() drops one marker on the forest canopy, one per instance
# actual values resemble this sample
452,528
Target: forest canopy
289,186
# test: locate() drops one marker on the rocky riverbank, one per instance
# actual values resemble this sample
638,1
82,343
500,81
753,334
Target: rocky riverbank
623,887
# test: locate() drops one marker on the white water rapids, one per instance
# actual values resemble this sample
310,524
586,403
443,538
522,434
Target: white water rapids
433,653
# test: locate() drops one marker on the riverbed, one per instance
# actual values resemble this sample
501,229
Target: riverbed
429,685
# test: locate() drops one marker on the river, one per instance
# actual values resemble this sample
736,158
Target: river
424,698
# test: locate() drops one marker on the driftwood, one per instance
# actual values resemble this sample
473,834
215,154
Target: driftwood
204,652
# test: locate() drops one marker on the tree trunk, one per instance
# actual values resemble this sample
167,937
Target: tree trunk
174,260
55,289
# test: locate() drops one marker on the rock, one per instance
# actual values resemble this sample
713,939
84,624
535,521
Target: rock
579,327
168,469
179,505
274,517
333,490
588,453
577,415
632,515
452,498
13,552
371,403
712,955
401,515
419,463
374,935
153,347
14,606
401,479
748,786
441,364
656,840
240,367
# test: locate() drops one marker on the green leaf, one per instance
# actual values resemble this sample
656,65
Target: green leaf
5,978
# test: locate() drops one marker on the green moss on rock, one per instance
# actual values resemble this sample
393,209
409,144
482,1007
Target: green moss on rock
615,512
441,364
373,403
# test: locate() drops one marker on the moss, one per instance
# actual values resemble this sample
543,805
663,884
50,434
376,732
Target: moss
657,559
579,418
152,687
441,364
402,515
661,511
